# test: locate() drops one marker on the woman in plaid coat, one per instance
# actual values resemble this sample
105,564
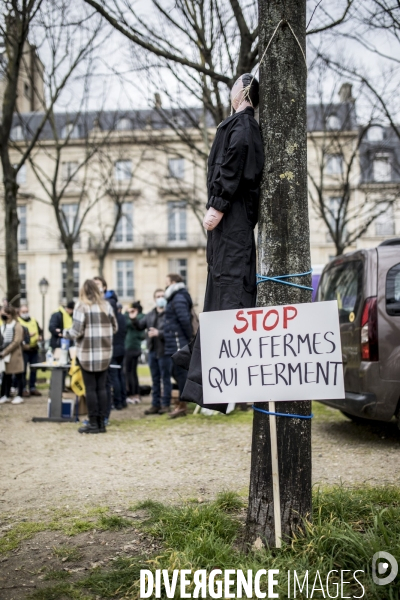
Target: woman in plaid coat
93,327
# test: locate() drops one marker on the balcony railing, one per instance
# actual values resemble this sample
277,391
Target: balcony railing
157,241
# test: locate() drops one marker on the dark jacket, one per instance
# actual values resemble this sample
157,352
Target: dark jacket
119,337
134,337
153,319
178,318
112,298
56,322
235,167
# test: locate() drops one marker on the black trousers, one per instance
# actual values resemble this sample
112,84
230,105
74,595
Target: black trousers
131,363
96,393
6,384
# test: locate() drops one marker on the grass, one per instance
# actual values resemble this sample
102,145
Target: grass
68,553
349,526
56,576
61,591
113,523
21,532
143,371
321,413
65,521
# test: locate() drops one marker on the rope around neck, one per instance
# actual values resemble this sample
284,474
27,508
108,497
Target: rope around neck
246,90
281,22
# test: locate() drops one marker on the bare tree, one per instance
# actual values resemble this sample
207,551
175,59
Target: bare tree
56,27
339,160
118,193
60,177
372,62
205,45
15,25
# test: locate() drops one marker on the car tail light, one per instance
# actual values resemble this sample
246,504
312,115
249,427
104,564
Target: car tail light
369,330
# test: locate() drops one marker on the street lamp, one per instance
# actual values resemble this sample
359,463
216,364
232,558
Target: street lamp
43,287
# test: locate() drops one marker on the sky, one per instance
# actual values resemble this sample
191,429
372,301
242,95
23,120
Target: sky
120,79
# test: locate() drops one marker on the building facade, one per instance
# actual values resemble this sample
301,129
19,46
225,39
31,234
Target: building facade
140,162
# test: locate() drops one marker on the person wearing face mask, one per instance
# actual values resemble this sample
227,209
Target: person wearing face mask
12,335
31,351
160,367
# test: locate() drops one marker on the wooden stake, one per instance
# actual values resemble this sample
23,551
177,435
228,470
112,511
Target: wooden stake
275,476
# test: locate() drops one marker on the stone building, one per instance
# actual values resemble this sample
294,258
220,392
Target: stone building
146,161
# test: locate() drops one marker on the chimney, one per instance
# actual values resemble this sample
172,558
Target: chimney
157,100
345,93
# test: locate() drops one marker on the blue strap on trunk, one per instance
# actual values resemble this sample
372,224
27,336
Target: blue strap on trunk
281,278
267,412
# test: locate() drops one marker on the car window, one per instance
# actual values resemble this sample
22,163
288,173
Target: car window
393,291
343,283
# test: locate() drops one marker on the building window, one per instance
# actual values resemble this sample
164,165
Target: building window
22,228
21,175
124,231
123,170
17,133
123,124
384,223
334,164
124,277
22,276
27,91
332,122
64,280
176,221
176,168
375,133
70,130
178,266
69,213
382,170
69,171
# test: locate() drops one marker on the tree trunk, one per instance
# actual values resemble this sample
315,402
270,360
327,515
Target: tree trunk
11,223
69,283
284,248
102,259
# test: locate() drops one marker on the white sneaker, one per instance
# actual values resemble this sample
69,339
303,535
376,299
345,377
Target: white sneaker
17,400
4,399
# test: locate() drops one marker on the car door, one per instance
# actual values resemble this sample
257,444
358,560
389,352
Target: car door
343,281
389,312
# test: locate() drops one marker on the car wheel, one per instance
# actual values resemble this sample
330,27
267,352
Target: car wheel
356,419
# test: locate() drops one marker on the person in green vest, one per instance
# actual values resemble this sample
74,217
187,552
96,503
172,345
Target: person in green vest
31,350
60,320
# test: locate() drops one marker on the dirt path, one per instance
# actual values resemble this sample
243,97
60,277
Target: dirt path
49,465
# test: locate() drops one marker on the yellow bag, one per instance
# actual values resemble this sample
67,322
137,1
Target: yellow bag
77,385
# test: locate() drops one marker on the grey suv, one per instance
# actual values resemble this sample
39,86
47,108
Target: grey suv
366,284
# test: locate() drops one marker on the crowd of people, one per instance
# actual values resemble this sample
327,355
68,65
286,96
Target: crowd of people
108,344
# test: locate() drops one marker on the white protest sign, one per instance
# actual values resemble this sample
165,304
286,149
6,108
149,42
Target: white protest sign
275,353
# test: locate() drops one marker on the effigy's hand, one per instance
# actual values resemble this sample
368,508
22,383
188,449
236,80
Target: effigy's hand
212,218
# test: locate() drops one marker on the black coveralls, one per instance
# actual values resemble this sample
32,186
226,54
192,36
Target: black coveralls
234,171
